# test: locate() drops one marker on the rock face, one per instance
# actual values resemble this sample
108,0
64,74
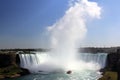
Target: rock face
113,63
9,65
5,60
24,72
17,59
113,60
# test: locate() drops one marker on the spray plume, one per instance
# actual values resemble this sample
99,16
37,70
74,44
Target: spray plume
71,28
63,36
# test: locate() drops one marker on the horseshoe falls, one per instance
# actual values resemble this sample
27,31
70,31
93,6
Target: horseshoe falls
63,37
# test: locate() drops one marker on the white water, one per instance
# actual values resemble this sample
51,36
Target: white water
68,31
40,61
63,37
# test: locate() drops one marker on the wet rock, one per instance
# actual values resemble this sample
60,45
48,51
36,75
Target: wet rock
10,65
109,75
113,63
17,59
24,72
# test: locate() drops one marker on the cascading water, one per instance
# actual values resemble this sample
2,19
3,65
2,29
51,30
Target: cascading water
65,34
33,61
63,37
39,63
99,58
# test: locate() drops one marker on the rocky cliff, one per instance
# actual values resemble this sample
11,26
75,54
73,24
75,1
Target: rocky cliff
112,68
9,65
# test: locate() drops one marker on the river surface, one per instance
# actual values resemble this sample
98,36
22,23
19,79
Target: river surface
82,74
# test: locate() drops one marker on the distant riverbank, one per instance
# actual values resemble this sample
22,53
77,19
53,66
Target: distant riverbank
82,49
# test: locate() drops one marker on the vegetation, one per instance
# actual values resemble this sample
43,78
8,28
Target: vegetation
9,65
109,75
9,62
83,50
10,71
24,50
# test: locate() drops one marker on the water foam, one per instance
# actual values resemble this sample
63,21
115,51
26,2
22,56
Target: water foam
71,29
64,35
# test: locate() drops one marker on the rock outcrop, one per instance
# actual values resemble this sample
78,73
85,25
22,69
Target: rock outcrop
112,64
10,65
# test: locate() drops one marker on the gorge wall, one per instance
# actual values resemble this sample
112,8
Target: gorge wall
10,61
9,65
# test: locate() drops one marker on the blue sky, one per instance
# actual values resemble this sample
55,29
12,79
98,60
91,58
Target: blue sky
22,23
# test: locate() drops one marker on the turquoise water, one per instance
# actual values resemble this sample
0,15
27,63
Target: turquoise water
82,75
85,71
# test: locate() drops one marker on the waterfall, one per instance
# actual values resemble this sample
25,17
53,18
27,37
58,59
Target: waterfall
99,58
33,61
